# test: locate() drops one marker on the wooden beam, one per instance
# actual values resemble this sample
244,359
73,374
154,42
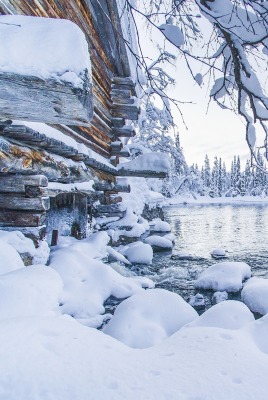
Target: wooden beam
125,111
142,173
18,183
122,153
30,98
21,219
10,201
118,122
127,131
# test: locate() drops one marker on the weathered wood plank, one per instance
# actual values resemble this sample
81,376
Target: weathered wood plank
122,93
24,161
119,100
18,183
118,122
122,153
125,111
21,219
103,186
128,131
32,99
11,201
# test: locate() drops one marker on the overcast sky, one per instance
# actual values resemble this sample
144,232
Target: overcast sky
211,130
217,132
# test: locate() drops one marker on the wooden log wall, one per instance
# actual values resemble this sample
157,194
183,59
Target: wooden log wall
100,22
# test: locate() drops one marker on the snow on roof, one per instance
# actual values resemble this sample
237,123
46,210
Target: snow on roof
151,161
43,47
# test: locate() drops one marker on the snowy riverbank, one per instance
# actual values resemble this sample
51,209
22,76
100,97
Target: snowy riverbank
49,349
196,199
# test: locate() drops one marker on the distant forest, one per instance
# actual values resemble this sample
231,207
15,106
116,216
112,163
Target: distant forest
215,181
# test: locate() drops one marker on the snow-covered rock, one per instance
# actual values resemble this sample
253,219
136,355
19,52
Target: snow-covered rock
149,317
160,226
139,253
227,314
159,243
255,295
219,296
224,276
170,236
218,253
197,301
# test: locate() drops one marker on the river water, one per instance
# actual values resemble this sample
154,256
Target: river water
240,229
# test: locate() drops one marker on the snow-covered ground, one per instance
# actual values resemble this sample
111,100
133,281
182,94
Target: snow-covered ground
155,347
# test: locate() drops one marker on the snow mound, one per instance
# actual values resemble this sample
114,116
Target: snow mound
227,315
43,47
147,318
17,240
30,291
159,243
88,282
224,276
10,259
139,253
255,295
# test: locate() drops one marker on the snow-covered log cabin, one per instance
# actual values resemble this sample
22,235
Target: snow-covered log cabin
67,98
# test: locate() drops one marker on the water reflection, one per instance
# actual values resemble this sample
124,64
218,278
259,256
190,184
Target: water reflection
242,230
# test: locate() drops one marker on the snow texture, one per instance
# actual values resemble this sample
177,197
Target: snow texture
225,276
147,318
227,315
10,259
44,47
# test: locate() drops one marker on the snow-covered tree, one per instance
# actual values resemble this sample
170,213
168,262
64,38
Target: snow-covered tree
234,54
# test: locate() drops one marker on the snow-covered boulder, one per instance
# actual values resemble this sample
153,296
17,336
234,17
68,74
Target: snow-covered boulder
160,226
170,236
159,243
219,296
197,301
227,314
224,276
255,295
31,291
218,253
139,253
149,317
